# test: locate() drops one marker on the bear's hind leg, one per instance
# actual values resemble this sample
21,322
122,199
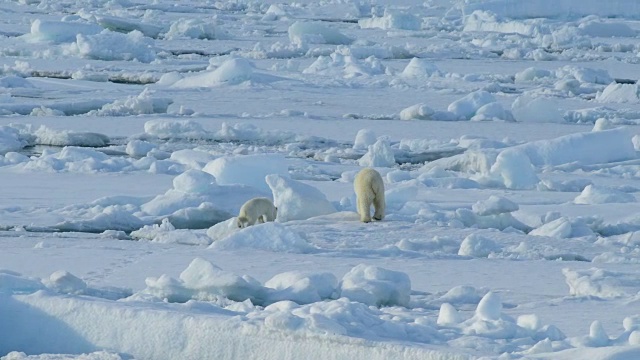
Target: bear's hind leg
364,209
378,204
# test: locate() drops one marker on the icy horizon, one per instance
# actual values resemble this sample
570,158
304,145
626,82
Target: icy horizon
506,134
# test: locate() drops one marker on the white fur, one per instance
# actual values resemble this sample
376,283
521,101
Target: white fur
369,189
256,210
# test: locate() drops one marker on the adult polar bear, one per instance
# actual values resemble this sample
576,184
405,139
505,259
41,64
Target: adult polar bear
369,189
256,210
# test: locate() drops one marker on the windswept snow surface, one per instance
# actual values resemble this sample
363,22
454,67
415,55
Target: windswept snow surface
507,134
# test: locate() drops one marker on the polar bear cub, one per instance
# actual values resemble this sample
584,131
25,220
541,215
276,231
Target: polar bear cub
369,190
256,210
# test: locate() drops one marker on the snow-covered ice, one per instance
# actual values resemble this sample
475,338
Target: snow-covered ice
506,132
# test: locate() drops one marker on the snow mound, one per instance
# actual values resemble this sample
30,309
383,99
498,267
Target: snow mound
175,129
195,29
532,74
559,228
536,110
478,246
514,169
392,20
342,64
500,221
247,170
600,283
400,195
302,287
619,93
223,229
166,233
448,315
603,124
488,321
139,148
250,132
143,103
595,27
274,12
593,194
494,205
315,33
585,75
553,8
194,182
74,159
13,81
197,201
60,31
109,45
48,136
417,112
490,307
379,154
296,200
268,237
202,280
11,139
487,21
492,112
364,138
462,294
418,67
466,107
115,217
191,130
232,72
12,282
584,148
376,286
65,283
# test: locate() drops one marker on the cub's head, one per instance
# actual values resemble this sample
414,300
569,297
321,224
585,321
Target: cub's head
242,222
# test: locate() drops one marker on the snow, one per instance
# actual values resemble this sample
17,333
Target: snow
477,246
196,29
554,9
392,20
143,103
232,71
108,45
377,286
585,148
619,93
602,195
60,31
267,237
494,205
296,200
466,107
417,112
131,135
378,155
539,109
420,67
364,138
315,33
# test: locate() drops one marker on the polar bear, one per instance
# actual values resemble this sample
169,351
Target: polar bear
369,190
256,210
